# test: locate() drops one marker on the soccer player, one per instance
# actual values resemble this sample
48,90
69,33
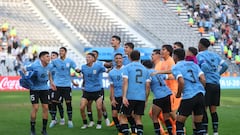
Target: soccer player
161,101
177,45
210,62
54,55
191,82
62,80
115,42
93,88
40,89
89,106
116,81
128,48
136,88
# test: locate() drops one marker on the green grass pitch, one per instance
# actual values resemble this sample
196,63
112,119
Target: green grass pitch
15,114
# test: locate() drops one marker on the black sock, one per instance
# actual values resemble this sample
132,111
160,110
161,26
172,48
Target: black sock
180,130
115,119
105,115
132,123
124,128
54,110
44,122
199,128
32,123
139,129
194,131
157,128
85,122
169,126
90,116
99,122
205,121
214,121
61,111
69,110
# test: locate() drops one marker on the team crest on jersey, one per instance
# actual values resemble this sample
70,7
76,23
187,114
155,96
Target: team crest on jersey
68,65
94,71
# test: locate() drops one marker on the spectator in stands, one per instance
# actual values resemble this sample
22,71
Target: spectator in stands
5,27
13,32
17,63
15,44
25,42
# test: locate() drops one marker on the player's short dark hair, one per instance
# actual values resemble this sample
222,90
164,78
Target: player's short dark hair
193,50
135,55
42,53
180,53
64,48
53,52
91,55
95,51
157,51
169,49
117,54
179,44
117,37
130,44
148,64
205,42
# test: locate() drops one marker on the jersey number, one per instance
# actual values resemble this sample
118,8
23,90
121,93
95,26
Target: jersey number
138,75
193,80
160,80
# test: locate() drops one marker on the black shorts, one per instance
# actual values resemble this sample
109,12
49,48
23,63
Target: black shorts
62,93
118,106
164,103
194,104
102,93
212,96
52,94
43,95
135,106
90,96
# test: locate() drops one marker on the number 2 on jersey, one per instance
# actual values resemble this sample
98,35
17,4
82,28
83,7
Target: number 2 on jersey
138,75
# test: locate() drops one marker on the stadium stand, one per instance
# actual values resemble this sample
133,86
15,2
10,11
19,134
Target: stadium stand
93,23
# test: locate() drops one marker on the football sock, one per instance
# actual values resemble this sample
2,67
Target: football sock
214,121
139,129
124,128
169,126
90,116
180,130
105,115
44,122
32,123
54,110
115,119
132,123
69,110
61,111
199,128
205,121
157,128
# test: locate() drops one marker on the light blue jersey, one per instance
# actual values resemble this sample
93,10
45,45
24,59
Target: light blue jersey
137,76
101,74
119,50
126,60
209,62
190,73
62,76
91,76
115,78
41,79
158,85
